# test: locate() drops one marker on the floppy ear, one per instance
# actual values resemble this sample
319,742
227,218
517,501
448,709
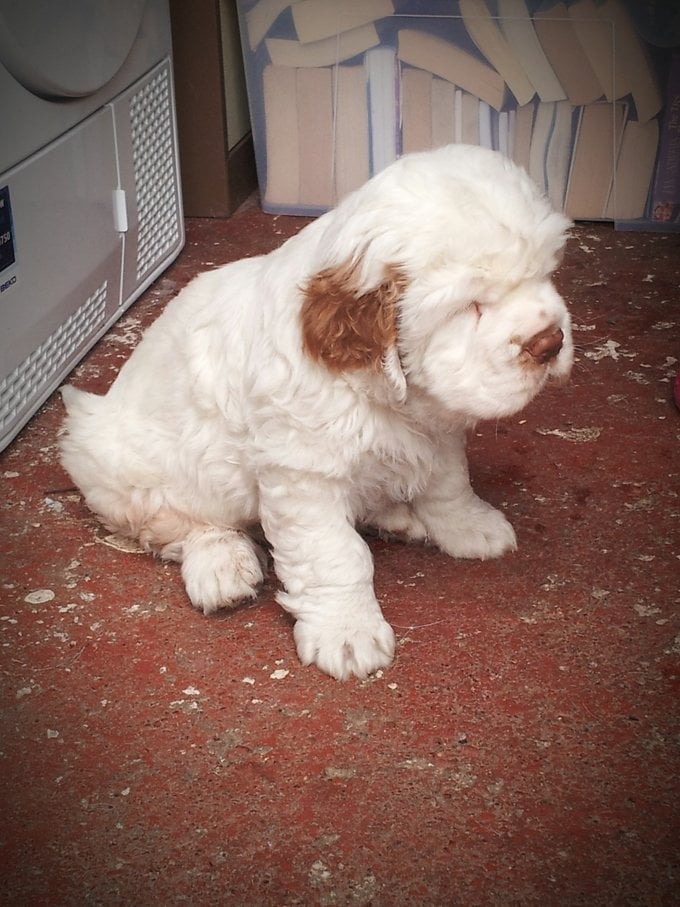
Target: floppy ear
347,328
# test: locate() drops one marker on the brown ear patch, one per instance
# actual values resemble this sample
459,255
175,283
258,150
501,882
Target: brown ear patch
346,329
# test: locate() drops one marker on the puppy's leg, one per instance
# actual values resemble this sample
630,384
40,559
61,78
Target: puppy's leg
327,571
220,567
457,521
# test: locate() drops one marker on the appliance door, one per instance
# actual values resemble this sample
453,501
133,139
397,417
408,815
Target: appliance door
60,60
68,49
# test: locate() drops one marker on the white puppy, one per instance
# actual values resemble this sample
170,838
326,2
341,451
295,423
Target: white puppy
331,383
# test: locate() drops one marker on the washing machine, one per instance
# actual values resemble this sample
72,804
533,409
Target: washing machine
90,199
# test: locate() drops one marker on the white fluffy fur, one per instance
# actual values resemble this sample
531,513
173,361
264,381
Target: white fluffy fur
221,420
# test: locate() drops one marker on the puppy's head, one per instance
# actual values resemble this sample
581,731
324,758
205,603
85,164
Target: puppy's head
436,276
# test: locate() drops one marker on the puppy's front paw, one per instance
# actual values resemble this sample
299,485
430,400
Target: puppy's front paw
478,531
342,647
220,569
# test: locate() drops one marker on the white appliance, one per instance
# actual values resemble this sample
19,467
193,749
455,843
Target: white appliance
90,201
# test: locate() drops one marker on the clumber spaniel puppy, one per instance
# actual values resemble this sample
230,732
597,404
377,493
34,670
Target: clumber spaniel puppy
331,383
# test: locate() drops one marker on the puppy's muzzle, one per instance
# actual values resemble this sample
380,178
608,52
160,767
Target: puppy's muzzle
545,345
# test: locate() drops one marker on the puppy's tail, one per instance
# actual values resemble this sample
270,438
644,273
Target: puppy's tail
83,440
78,402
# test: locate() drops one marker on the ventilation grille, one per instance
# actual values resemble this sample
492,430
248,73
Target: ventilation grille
153,149
20,389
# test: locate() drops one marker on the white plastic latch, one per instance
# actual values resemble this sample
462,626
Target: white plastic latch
120,218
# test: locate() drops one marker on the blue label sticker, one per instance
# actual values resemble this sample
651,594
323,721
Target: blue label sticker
7,256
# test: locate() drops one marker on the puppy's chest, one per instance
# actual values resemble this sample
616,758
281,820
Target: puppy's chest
392,474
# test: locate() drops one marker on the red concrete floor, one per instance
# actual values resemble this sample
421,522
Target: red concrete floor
519,751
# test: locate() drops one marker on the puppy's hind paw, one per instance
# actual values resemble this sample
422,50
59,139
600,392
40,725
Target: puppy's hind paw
342,649
220,569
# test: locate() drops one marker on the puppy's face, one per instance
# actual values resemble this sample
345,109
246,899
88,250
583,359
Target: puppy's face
445,285
481,353
488,353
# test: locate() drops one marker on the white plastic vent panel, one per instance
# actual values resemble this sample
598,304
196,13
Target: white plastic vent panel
155,169
19,390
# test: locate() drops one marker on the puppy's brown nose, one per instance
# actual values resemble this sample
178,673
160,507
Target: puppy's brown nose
545,345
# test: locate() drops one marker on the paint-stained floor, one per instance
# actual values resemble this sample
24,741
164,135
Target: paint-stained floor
521,750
